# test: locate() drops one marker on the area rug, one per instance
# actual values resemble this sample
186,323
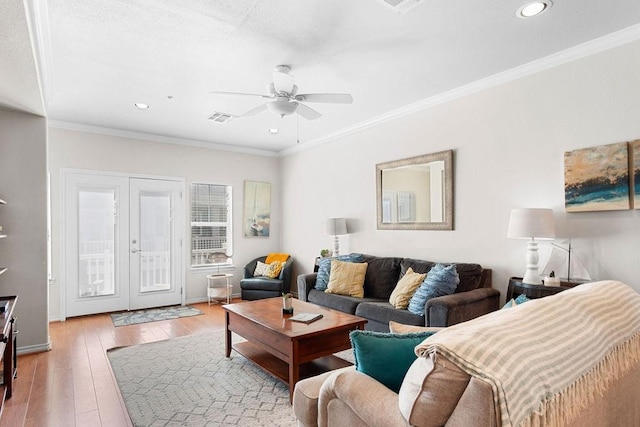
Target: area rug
188,381
153,315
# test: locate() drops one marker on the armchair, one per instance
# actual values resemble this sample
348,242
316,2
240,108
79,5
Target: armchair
253,288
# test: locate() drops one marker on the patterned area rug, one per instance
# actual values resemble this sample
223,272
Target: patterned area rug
153,315
188,381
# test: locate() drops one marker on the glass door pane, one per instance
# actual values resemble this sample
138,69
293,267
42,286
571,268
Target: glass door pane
155,241
96,242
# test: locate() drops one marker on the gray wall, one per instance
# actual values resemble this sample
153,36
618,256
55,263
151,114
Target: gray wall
23,185
509,143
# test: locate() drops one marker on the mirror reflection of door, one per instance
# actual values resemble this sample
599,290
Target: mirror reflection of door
416,193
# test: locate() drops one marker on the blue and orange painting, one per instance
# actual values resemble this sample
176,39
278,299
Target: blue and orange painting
597,178
634,147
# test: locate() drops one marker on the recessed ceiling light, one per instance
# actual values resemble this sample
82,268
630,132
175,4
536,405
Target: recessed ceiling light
273,131
141,106
534,8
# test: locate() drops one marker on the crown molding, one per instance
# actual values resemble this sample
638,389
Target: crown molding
58,124
618,38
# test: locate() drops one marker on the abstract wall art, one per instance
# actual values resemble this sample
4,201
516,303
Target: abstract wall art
634,149
597,178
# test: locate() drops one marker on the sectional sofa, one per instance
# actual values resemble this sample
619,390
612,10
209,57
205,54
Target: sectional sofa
473,297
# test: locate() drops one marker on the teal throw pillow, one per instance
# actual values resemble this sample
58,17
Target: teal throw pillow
521,299
385,357
441,280
324,268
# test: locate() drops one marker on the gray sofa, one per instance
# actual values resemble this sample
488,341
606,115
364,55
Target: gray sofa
474,295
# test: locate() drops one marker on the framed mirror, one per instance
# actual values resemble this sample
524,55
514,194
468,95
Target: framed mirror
416,193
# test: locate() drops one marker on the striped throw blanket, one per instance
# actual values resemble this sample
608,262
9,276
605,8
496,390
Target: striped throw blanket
546,359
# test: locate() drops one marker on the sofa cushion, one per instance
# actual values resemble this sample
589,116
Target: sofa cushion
384,312
440,281
337,302
324,268
400,328
261,283
431,390
347,278
382,275
385,357
405,289
469,274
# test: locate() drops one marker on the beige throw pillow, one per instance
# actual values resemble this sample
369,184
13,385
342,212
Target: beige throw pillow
405,289
347,278
399,328
261,268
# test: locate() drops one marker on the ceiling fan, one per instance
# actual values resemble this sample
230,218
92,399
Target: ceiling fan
285,100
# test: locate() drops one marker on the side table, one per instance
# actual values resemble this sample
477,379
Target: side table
516,287
219,286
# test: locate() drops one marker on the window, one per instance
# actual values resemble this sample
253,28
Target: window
210,225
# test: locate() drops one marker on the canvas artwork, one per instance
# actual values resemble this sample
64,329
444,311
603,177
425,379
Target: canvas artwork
634,147
257,209
597,178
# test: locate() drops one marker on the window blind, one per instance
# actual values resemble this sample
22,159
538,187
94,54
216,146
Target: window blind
211,226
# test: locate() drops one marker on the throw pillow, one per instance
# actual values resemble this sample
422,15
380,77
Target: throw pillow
273,269
521,299
509,304
400,328
276,257
441,280
385,357
405,288
324,268
347,278
261,268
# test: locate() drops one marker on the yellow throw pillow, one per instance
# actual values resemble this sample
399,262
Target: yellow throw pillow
405,289
347,278
400,328
276,257
273,269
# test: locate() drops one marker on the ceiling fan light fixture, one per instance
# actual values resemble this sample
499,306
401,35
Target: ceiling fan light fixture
535,8
282,106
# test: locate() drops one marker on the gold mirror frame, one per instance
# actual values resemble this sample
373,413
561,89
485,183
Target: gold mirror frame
447,197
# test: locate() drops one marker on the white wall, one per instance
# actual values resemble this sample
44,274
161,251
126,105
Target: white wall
509,143
89,151
23,185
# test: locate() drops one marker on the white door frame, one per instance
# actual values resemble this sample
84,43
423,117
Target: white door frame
181,233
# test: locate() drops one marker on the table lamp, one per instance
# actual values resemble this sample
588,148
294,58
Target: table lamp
335,228
531,224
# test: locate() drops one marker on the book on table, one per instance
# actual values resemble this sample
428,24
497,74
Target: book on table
306,317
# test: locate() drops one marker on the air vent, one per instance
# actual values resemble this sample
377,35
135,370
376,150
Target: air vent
221,117
401,6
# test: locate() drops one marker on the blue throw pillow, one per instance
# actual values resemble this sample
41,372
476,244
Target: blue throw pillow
441,280
324,268
385,357
521,299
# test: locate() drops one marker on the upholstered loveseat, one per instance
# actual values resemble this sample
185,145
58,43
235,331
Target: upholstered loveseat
473,297
571,360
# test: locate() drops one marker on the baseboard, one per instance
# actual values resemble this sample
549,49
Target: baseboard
37,348
197,300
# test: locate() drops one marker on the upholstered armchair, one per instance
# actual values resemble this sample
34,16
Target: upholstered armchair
259,287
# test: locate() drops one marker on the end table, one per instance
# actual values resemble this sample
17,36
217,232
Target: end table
219,286
516,287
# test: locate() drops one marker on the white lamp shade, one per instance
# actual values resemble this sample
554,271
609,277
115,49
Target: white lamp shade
531,223
336,226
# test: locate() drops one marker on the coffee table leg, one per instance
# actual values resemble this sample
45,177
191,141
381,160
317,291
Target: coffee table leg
227,335
294,369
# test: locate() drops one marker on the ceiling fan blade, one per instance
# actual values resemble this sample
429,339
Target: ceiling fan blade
254,111
283,82
239,93
307,112
332,98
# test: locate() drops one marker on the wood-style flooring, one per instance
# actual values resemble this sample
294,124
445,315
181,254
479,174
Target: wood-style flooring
72,385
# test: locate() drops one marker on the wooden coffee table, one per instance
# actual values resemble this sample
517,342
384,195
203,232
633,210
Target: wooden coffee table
289,350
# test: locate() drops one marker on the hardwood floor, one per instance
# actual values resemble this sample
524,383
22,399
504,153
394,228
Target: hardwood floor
72,385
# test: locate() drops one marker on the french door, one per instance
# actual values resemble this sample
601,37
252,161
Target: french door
122,243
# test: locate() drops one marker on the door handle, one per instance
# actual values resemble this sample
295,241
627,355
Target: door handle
134,250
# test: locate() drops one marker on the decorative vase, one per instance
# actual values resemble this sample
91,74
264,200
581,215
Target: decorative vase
287,306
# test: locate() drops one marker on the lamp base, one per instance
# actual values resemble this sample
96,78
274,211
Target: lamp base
531,276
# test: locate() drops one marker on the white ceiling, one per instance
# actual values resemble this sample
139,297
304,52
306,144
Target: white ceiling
97,58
